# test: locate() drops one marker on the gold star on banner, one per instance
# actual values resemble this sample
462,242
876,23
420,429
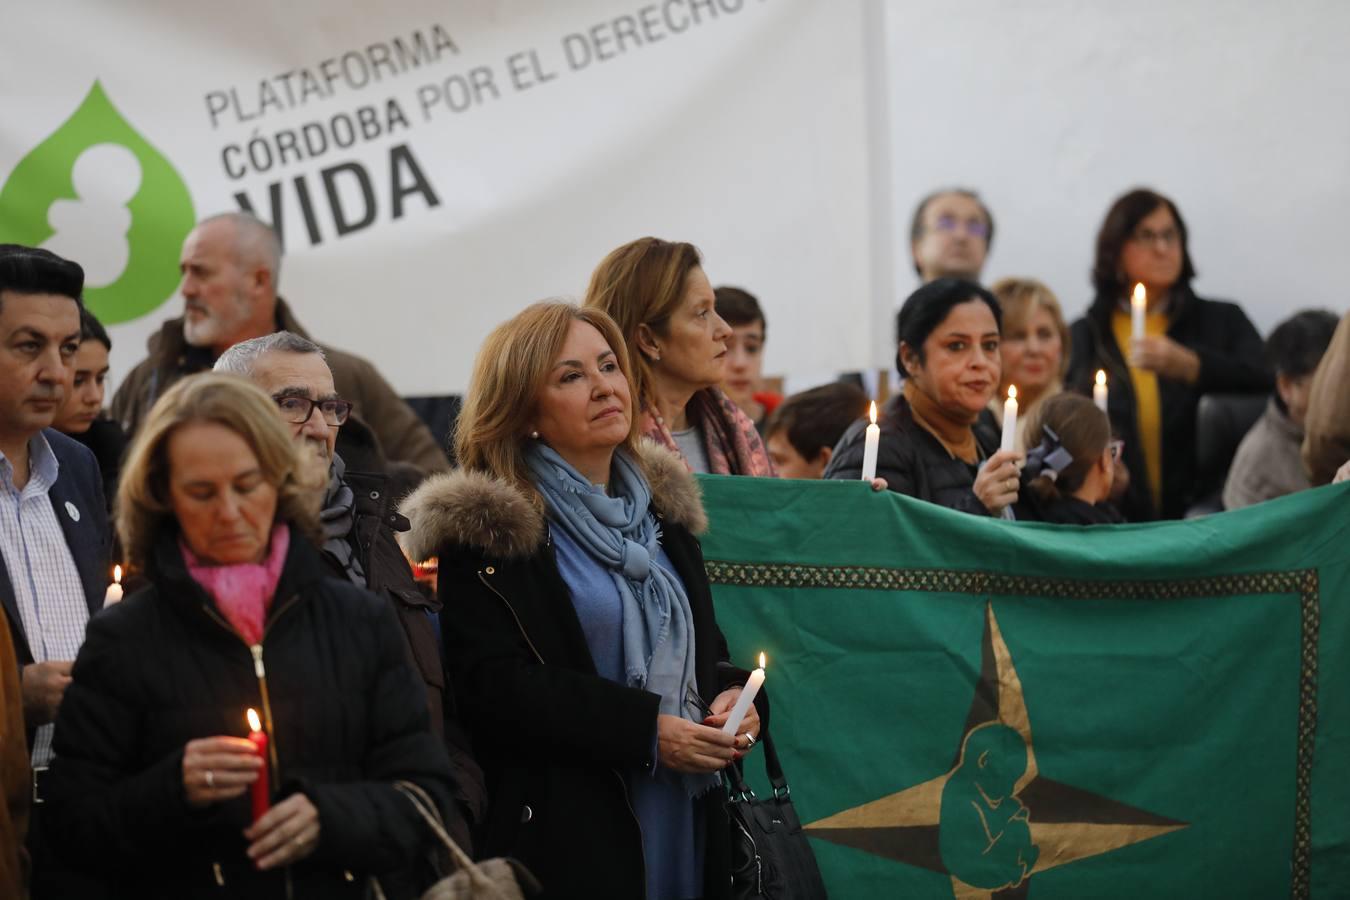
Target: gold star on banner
992,817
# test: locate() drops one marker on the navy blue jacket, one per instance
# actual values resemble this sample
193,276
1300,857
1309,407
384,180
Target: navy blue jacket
78,487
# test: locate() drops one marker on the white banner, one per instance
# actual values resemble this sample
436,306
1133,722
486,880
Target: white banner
434,167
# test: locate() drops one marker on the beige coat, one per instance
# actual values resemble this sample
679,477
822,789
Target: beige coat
1267,463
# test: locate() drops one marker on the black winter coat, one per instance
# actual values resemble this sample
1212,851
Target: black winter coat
376,522
1232,360
554,737
164,667
912,460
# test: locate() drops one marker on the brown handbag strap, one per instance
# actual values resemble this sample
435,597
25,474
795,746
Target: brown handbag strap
432,816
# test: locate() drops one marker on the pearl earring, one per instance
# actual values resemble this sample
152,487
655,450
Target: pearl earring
535,435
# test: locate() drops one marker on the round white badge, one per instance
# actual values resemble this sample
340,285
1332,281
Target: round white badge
72,511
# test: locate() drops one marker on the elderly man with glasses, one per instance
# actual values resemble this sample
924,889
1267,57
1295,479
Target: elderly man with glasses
360,522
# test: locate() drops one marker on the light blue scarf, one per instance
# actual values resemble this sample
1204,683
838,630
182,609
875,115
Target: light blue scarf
621,533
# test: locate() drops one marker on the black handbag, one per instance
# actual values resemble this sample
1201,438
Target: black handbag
771,858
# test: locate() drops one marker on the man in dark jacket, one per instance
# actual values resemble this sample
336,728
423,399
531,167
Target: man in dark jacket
54,537
360,521
231,264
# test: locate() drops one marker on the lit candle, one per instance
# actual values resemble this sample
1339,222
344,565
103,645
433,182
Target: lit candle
1138,308
743,702
869,469
261,795
1009,419
114,593
1099,391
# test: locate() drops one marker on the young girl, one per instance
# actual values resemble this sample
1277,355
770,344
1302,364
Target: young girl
1071,466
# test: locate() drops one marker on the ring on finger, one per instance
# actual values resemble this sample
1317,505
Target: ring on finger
749,740
210,779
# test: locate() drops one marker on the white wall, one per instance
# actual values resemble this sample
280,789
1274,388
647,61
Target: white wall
1237,109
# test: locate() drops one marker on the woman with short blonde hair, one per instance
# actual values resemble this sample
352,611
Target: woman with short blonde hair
1035,348
142,495
664,305
153,774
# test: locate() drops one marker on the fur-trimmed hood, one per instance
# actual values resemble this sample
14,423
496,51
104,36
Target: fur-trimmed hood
481,511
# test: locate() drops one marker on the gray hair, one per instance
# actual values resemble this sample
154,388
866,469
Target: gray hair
255,241
243,356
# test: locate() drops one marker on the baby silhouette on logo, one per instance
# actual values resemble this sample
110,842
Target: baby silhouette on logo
93,227
984,834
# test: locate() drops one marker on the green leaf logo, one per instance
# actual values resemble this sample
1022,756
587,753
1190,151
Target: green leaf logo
99,193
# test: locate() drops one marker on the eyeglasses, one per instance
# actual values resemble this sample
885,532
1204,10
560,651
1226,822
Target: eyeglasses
973,227
297,410
1167,237
1117,448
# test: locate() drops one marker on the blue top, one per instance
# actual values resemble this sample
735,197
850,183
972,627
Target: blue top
672,833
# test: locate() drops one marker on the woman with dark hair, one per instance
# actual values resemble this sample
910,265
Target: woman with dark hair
579,620
931,445
81,414
664,305
1071,464
1192,346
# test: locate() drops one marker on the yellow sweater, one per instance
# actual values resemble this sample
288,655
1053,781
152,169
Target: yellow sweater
1147,400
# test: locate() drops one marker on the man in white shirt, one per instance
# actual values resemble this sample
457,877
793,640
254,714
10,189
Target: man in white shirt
54,537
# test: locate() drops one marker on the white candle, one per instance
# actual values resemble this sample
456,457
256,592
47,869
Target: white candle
1009,420
869,468
1099,391
114,593
743,702
1138,308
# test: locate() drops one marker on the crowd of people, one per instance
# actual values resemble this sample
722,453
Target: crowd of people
255,711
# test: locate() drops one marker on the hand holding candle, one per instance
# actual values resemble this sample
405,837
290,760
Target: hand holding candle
1138,310
1099,391
744,700
259,790
1009,420
873,441
114,593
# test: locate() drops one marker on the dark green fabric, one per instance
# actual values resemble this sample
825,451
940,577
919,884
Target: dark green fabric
1186,688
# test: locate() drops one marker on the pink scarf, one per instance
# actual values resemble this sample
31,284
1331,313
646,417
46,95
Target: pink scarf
734,446
243,591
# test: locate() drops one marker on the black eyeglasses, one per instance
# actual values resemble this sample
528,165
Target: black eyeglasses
297,410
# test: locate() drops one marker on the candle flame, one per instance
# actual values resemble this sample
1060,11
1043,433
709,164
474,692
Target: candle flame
117,574
761,660
1012,392
253,722
1140,295
872,411
1101,377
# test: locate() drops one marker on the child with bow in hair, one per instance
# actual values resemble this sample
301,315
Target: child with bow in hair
1071,464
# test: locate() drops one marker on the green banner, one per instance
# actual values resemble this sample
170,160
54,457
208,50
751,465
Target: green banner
973,708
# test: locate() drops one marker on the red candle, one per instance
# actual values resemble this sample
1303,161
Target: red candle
262,800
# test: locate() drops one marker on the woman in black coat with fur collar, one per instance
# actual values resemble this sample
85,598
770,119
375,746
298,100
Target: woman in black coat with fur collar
602,787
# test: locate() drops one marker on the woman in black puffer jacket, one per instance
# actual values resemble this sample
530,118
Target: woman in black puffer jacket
151,785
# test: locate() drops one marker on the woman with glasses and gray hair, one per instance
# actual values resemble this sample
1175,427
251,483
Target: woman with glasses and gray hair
579,622
1189,347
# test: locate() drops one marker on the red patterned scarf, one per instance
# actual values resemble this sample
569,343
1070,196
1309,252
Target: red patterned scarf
734,446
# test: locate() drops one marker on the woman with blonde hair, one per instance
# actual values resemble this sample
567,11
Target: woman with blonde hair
578,620
153,776
1035,348
665,308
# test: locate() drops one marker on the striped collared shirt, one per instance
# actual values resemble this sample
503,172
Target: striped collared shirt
47,585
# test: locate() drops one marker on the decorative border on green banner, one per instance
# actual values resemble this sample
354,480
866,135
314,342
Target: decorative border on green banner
1303,582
